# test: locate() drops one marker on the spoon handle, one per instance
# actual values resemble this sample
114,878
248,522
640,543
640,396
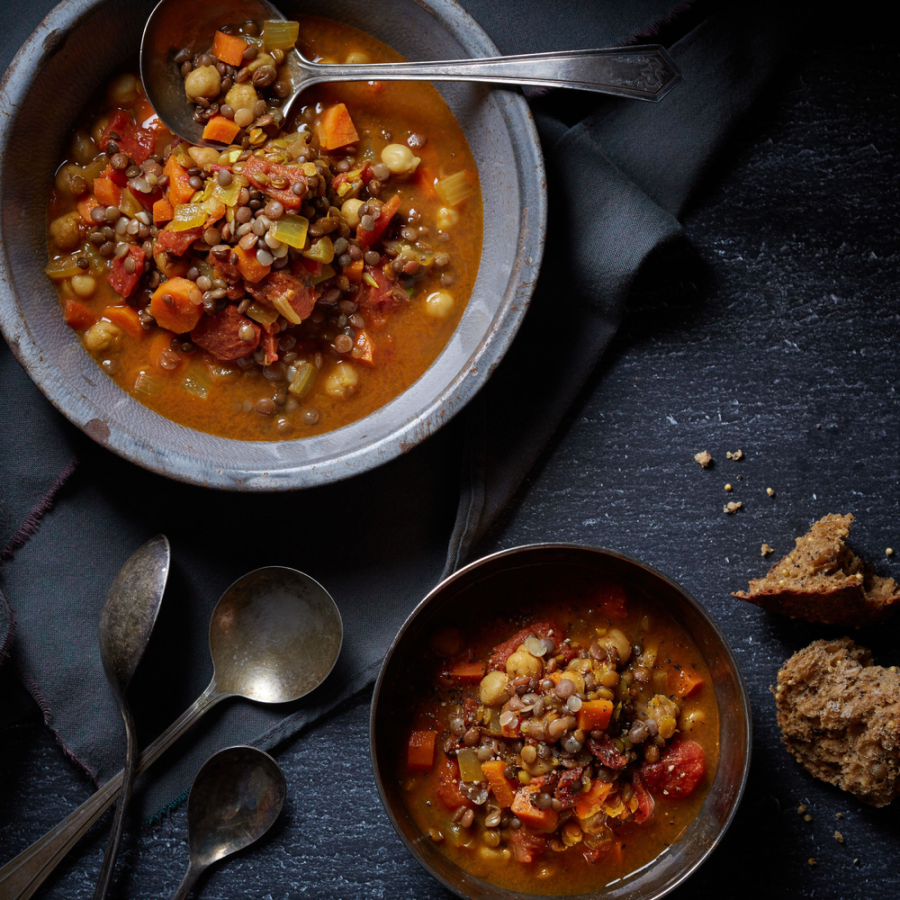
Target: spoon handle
22,876
187,882
644,73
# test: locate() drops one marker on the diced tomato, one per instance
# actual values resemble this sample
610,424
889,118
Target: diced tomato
269,344
122,281
680,769
388,211
502,652
379,301
527,845
254,167
448,784
137,142
605,750
116,175
177,242
220,334
565,790
77,315
301,296
646,804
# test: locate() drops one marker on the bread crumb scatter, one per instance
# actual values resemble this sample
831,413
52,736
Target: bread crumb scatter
703,458
811,861
802,809
738,454
839,837
727,487
807,818
770,492
732,507
889,551
766,550
839,815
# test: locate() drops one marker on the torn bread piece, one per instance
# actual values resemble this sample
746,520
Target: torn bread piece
839,716
823,580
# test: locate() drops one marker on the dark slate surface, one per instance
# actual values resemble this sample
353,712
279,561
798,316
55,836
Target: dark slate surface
775,334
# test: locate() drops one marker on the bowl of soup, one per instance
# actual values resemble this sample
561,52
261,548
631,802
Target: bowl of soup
305,301
557,720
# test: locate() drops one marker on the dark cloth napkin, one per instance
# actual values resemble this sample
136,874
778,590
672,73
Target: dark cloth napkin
620,173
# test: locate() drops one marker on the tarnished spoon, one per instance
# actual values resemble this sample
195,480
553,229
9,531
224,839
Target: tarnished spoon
235,799
275,635
126,622
646,72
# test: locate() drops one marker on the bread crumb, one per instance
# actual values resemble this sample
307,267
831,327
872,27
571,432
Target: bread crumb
811,861
802,809
736,455
889,551
770,492
732,507
703,458
766,550
727,487
839,837
807,818
839,815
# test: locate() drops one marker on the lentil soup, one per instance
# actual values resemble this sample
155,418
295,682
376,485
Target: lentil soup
561,748
289,283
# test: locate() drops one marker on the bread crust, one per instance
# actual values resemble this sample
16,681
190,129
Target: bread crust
839,716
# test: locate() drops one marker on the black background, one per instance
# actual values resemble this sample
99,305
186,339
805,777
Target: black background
776,335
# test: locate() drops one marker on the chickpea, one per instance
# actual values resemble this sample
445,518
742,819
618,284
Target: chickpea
84,286
263,59
439,305
617,640
83,147
690,720
350,211
358,58
523,663
204,157
66,231
342,381
493,689
203,82
447,218
123,90
241,96
102,336
65,178
98,128
399,159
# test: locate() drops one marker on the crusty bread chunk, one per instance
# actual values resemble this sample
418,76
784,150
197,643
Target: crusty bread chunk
823,580
840,718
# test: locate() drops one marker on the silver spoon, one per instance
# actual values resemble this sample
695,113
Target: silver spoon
275,635
235,799
126,622
643,73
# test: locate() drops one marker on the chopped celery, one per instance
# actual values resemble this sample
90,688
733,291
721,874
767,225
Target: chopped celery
304,379
148,384
292,230
98,265
296,143
321,250
96,168
453,189
196,382
279,35
326,273
187,216
494,725
263,314
469,766
64,267
283,305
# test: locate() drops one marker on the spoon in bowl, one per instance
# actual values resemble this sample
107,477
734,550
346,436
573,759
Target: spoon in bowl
235,799
275,635
126,622
643,72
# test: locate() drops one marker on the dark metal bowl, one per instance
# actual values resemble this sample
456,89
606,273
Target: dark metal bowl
79,45
482,585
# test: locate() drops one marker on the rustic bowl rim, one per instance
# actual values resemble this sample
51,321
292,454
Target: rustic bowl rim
168,459
745,724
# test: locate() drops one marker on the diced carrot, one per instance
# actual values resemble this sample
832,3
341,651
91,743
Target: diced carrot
522,808
354,271
180,190
467,672
420,753
249,268
448,784
336,128
591,801
595,715
364,352
85,204
77,315
159,343
162,212
107,192
425,177
183,315
229,48
220,130
686,683
127,319
504,790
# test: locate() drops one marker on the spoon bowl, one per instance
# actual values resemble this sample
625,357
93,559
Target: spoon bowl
235,799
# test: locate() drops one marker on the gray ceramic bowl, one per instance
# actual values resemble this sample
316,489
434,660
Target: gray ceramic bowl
53,76
492,584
